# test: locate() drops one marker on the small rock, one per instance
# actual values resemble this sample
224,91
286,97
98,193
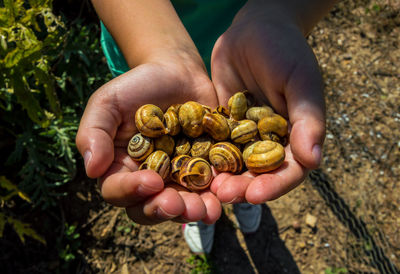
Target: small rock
301,244
296,225
311,220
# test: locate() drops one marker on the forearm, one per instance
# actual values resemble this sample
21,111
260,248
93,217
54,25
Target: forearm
304,13
144,29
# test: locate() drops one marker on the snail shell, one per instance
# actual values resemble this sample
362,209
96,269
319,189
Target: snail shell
257,113
191,118
222,111
149,121
273,128
217,126
264,156
182,146
171,122
174,107
195,174
201,147
140,147
165,143
159,162
244,132
176,165
237,105
226,157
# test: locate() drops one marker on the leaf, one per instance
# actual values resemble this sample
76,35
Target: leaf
23,229
8,185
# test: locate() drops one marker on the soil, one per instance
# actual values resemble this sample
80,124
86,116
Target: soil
346,218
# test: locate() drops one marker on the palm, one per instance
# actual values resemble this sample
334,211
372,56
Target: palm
276,65
107,126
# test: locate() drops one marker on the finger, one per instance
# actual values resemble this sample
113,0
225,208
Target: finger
233,189
130,188
306,107
270,186
213,207
218,180
164,206
95,136
195,209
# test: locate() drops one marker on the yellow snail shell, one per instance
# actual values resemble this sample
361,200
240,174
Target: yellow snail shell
226,157
176,165
159,162
171,122
273,128
182,146
149,121
222,111
140,147
264,156
257,113
244,132
237,106
217,126
195,174
165,143
191,118
201,147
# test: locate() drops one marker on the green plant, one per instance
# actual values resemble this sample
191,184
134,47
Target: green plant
68,245
335,270
201,263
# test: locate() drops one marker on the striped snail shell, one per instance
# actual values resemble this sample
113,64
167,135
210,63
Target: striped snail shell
264,156
222,111
165,143
201,147
237,106
159,162
217,126
244,132
274,128
257,113
191,118
171,122
196,174
149,121
176,165
140,147
226,157
182,146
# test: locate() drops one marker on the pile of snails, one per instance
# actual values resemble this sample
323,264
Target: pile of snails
196,138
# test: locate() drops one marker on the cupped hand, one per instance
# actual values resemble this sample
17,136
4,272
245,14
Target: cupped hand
108,124
265,52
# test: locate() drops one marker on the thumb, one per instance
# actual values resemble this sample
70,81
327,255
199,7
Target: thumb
306,109
95,136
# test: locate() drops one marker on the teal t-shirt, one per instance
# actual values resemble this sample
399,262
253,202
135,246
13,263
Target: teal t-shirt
205,20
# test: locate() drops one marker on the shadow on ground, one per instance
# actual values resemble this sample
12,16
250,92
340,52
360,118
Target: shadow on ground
267,253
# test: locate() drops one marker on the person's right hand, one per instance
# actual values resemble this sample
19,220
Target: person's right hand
108,124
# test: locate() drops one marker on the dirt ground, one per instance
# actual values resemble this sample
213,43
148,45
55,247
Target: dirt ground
346,217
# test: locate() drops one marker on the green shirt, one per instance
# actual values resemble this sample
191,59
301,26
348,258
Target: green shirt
205,20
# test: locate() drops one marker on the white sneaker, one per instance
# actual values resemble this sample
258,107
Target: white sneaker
248,216
199,236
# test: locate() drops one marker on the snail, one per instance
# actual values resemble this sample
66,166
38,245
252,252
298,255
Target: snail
264,156
159,162
182,146
171,122
149,121
237,106
244,132
217,126
273,128
140,147
201,147
222,111
226,157
257,113
191,117
165,143
176,165
195,174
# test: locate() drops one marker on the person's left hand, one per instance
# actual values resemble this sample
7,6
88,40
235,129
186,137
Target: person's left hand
265,52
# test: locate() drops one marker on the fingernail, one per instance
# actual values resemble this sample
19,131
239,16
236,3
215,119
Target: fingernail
234,200
161,214
87,156
316,151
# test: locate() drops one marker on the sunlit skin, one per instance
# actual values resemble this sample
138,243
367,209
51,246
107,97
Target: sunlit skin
263,51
